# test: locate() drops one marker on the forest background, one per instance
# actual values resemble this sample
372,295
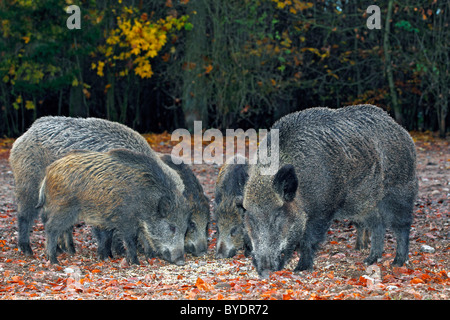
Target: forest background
157,65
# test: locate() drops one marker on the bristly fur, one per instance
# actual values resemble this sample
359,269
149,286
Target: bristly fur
49,139
228,211
118,190
355,162
196,241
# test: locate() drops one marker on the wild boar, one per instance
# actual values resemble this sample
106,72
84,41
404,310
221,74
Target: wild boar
50,138
228,215
354,162
118,190
196,240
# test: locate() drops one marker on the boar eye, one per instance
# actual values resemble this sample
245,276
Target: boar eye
191,225
240,207
233,231
172,228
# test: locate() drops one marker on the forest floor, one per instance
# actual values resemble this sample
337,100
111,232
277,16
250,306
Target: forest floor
339,271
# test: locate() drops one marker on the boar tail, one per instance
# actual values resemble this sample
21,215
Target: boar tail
41,199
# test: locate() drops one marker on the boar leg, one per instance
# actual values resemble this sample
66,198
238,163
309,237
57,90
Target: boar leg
65,242
247,246
130,242
104,239
117,244
306,257
402,216
51,244
377,231
55,225
25,221
401,255
362,237
148,250
314,234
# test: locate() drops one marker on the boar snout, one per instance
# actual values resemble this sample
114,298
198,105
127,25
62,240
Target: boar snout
198,248
175,256
224,251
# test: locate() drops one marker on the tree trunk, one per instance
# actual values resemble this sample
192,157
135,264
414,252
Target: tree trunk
388,65
77,107
442,111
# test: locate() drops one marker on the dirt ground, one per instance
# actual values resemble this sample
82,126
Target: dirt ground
339,271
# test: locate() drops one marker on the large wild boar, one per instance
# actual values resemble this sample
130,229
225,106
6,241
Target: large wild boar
119,191
228,214
50,138
354,162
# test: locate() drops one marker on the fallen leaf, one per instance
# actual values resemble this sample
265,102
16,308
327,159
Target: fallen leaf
202,285
416,281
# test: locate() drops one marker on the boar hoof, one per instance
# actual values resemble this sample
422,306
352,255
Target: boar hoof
302,266
398,262
371,260
180,263
26,249
265,274
53,260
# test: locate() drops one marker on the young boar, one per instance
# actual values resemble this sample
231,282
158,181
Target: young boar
50,138
354,162
228,215
119,190
196,240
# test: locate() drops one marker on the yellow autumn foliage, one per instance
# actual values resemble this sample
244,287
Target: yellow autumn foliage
293,5
135,41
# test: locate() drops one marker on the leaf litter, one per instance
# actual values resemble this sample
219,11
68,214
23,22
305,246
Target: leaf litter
339,272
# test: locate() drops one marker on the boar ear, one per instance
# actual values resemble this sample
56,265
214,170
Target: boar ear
285,182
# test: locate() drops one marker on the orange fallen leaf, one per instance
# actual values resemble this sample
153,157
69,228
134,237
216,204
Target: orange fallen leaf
398,271
288,294
199,282
268,294
15,278
202,285
129,286
425,277
416,281
191,294
58,288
